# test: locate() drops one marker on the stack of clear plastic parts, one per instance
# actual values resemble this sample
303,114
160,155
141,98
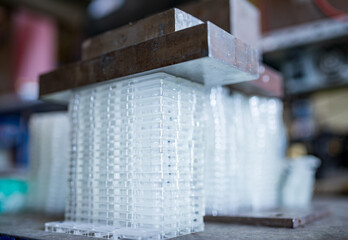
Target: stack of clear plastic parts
136,168
245,152
298,181
138,133
49,154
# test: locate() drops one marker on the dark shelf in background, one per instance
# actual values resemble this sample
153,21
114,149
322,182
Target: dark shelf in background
10,104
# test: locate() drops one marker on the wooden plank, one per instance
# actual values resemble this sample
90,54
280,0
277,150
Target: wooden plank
203,53
157,25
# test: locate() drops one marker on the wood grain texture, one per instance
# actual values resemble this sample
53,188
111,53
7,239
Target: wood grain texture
154,26
158,52
203,53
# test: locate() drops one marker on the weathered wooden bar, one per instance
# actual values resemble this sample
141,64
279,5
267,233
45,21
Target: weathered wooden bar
203,53
170,21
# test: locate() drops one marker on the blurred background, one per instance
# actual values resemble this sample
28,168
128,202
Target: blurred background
305,40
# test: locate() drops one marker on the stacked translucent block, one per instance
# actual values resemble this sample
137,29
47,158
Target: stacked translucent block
267,136
245,152
298,181
136,168
49,154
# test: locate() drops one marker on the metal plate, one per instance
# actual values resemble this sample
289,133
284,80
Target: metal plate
284,218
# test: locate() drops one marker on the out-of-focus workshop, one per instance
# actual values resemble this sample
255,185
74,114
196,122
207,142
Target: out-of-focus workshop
173,119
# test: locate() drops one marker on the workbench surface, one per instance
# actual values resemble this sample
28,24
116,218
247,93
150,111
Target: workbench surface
335,226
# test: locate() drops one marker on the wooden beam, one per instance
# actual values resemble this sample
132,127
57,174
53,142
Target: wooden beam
203,53
154,26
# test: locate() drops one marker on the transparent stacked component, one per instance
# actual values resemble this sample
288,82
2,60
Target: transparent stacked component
245,153
49,154
136,168
267,135
219,175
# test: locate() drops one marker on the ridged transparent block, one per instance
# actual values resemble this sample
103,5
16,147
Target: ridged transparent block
245,153
49,154
137,154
